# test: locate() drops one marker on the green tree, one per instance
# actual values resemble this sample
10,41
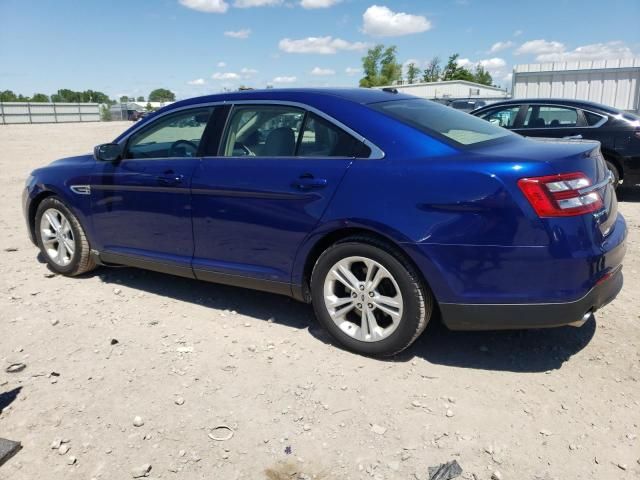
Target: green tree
8,96
433,71
140,99
40,97
105,113
162,95
390,69
453,71
412,73
371,67
148,107
124,99
482,76
380,67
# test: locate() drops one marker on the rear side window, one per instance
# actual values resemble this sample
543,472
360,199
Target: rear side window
592,118
263,131
432,118
321,138
540,116
502,117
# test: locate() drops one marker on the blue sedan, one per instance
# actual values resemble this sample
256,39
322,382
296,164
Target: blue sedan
382,210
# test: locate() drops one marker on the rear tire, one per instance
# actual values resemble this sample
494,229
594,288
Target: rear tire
616,174
369,297
61,239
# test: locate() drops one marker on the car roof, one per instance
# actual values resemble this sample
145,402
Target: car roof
559,101
355,95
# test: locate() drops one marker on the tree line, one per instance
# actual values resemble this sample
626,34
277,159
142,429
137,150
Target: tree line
381,67
88,96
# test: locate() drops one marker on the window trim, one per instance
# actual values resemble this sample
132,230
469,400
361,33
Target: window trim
147,126
376,152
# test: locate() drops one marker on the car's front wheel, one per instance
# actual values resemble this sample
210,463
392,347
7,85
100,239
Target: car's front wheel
61,238
369,297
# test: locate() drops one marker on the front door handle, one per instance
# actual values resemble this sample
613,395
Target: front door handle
309,182
169,179
573,137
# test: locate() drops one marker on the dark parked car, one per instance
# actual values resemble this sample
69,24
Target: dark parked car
618,132
467,105
379,208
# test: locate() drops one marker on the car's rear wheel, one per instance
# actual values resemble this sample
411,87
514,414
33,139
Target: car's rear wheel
369,297
616,174
61,238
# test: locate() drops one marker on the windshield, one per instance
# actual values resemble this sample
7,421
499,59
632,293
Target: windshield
435,119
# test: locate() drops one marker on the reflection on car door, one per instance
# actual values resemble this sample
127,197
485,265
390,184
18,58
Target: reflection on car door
278,168
141,204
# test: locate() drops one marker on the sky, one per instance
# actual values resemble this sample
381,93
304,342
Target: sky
196,47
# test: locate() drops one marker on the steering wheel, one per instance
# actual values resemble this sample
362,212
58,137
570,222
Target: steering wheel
244,148
173,149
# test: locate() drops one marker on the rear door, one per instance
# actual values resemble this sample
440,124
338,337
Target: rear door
141,205
276,171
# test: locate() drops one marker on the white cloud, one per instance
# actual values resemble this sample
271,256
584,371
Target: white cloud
256,3
493,63
517,33
318,3
225,76
539,47
319,72
197,81
209,6
221,64
284,79
383,22
248,71
322,45
498,46
241,34
595,51
351,71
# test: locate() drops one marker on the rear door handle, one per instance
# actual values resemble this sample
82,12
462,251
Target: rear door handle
309,182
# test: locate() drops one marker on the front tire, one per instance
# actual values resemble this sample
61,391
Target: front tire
61,239
369,297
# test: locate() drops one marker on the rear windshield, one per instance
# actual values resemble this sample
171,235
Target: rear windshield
432,118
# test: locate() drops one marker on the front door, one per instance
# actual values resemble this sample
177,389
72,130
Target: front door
277,170
142,204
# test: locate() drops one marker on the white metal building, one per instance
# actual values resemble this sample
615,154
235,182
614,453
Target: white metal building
611,82
450,89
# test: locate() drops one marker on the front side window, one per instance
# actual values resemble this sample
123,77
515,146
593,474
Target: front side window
502,117
263,131
432,118
540,116
174,135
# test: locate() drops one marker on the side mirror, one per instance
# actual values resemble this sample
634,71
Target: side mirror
108,152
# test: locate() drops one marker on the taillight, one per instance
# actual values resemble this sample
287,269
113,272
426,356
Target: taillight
559,195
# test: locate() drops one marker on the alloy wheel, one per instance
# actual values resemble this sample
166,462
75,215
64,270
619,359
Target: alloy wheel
57,237
363,299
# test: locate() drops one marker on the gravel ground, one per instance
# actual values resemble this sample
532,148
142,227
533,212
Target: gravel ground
187,356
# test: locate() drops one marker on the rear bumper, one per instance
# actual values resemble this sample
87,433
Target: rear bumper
533,315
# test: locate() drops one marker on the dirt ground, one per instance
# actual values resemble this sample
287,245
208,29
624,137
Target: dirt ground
187,357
